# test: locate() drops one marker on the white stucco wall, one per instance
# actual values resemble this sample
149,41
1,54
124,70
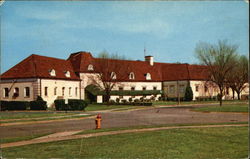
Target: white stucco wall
21,84
52,83
138,87
87,80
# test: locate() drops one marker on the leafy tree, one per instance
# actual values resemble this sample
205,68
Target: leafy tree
220,60
188,93
111,69
238,77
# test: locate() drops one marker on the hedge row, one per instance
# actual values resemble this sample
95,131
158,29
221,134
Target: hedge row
73,104
38,105
23,105
206,98
14,105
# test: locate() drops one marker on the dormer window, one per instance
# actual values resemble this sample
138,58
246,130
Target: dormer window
113,75
148,76
90,68
131,75
52,72
67,73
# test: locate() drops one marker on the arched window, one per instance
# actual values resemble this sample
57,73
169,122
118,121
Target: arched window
16,92
113,75
69,91
26,91
46,91
67,73
76,90
63,89
148,76
52,72
131,75
55,91
90,67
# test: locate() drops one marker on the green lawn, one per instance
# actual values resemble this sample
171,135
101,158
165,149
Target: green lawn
153,126
227,142
44,119
225,108
195,102
96,107
26,114
15,139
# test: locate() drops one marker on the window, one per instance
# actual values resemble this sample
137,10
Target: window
131,75
16,92
27,91
69,91
67,73
90,68
154,88
181,88
6,92
52,72
76,90
63,89
46,91
144,88
132,88
148,76
205,88
120,88
55,91
113,75
172,89
227,91
197,88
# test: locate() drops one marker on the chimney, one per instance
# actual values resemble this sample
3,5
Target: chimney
150,59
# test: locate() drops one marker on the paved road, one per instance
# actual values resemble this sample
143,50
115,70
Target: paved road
153,116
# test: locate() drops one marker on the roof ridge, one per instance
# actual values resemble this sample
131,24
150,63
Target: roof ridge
48,57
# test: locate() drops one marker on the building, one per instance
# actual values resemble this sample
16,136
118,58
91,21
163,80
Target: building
53,78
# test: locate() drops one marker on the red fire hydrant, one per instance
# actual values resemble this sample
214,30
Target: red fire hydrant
98,121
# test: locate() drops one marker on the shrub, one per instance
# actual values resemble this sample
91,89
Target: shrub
73,104
60,104
14,105
77,104
188,93
130,100
142,99
124,101
38,104
3,105
136,100
117,100
112,102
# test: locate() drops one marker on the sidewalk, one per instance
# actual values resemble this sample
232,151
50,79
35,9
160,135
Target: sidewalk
71,134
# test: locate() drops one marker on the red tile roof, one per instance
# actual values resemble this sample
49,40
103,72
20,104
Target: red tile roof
39,66
159,71
36,66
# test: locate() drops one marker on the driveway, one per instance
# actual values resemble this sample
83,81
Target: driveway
151,116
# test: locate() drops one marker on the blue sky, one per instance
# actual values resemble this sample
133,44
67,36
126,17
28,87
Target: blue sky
169,30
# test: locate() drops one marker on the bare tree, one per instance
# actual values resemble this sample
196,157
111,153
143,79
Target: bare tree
111,71
220,60
238,77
